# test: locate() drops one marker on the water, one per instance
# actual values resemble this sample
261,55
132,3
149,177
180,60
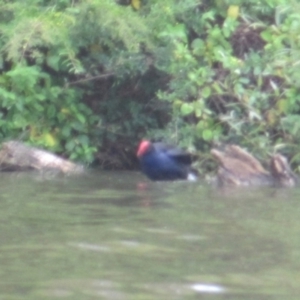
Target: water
115,235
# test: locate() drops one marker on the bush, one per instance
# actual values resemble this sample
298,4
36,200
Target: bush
89,79
229,77
58,61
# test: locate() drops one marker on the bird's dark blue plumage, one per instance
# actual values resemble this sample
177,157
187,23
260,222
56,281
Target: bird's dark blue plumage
163,162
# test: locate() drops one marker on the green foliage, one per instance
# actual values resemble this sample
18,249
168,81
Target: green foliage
57,59
233,69
85,76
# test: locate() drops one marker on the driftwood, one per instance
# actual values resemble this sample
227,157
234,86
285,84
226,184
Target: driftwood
16,156
239,168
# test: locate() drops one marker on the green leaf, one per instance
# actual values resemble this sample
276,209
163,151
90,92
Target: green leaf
206,91
53,62
198,46
66,131
51,111
83,139
81,118
207,134
267,35
187,108
70,145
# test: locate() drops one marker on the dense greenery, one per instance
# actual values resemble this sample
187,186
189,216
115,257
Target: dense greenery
89,79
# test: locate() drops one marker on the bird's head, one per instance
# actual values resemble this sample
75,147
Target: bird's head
143,148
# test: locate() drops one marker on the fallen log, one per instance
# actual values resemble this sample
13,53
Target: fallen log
16,156
237,167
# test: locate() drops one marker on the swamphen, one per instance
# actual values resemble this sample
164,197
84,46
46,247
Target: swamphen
164,162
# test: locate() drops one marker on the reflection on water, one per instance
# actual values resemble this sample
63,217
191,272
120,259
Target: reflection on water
116,235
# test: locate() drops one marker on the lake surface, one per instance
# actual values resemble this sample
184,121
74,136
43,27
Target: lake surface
116,235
